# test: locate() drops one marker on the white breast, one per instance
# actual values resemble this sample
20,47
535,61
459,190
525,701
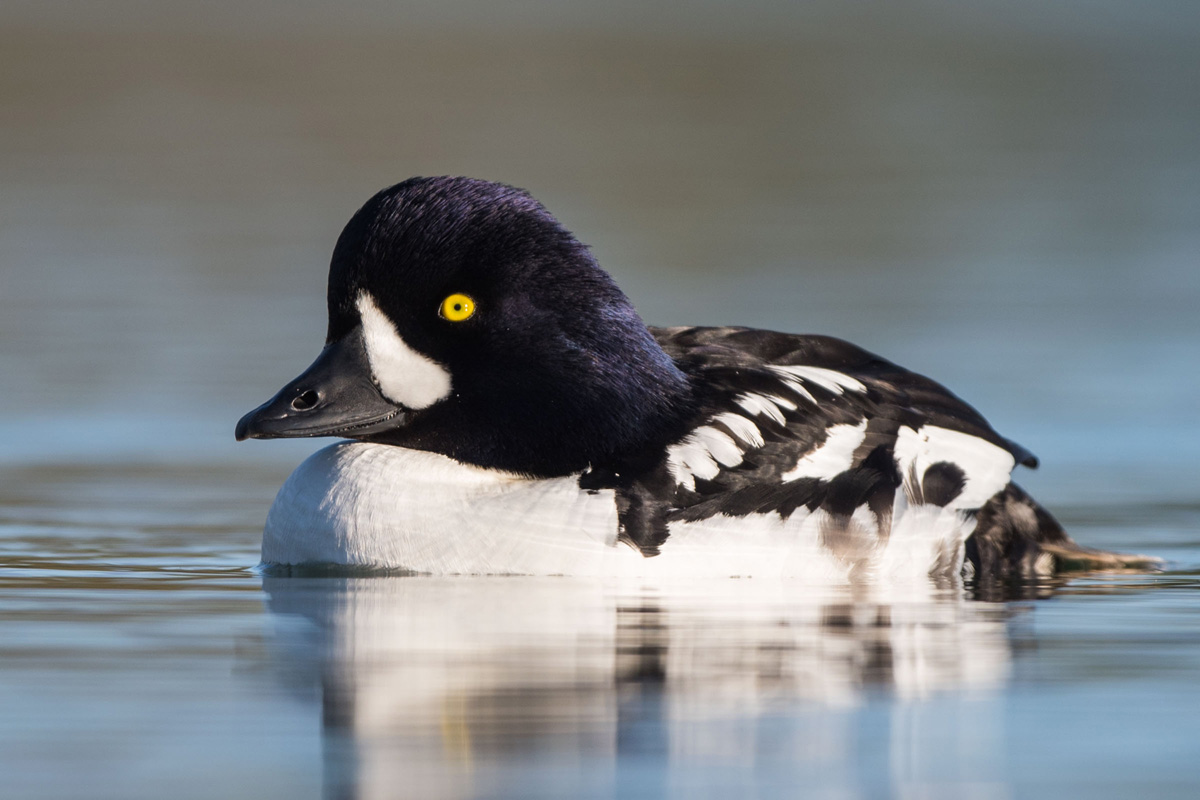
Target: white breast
375,505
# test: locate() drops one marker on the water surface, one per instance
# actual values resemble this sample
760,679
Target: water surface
1003,195
143,656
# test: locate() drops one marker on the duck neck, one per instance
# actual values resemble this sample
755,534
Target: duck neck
598,408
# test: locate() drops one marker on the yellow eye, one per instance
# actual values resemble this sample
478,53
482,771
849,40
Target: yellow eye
458,307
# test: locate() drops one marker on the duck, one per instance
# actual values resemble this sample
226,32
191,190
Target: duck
505,410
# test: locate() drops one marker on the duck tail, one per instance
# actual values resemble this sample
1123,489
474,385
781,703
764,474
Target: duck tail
1016,538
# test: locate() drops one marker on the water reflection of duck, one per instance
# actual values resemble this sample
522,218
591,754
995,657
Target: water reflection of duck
449,687
514,415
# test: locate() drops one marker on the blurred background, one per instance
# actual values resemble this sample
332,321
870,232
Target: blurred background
1003,195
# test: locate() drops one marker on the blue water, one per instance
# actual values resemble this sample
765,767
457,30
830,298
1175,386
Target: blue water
143,657
1004,196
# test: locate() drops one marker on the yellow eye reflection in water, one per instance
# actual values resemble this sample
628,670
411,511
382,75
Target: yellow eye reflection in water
458,307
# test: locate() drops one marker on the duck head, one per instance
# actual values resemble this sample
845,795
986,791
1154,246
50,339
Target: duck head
465,320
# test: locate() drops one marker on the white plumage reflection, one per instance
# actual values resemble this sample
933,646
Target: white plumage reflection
428,685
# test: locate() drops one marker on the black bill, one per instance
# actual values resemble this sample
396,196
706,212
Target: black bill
336,396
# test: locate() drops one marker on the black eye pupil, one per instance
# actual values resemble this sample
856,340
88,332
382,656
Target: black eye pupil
458,306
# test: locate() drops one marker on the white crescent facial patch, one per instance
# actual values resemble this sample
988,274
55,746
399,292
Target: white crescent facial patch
404,376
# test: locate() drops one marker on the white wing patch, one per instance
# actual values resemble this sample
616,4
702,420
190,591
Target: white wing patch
705,450
986,466
764,405
796,386
404,376
833,456
742,428
830,379
697,456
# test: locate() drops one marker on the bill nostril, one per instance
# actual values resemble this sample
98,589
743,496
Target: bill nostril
305,401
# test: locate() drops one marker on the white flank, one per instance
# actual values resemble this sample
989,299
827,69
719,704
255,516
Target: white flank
986,466
829,379
404,376
699,454
372,505
924,538
764,545
833,456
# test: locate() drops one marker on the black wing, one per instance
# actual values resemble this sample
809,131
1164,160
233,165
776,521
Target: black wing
793,391
723,359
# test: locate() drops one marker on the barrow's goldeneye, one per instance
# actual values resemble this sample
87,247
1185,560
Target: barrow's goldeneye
511,413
